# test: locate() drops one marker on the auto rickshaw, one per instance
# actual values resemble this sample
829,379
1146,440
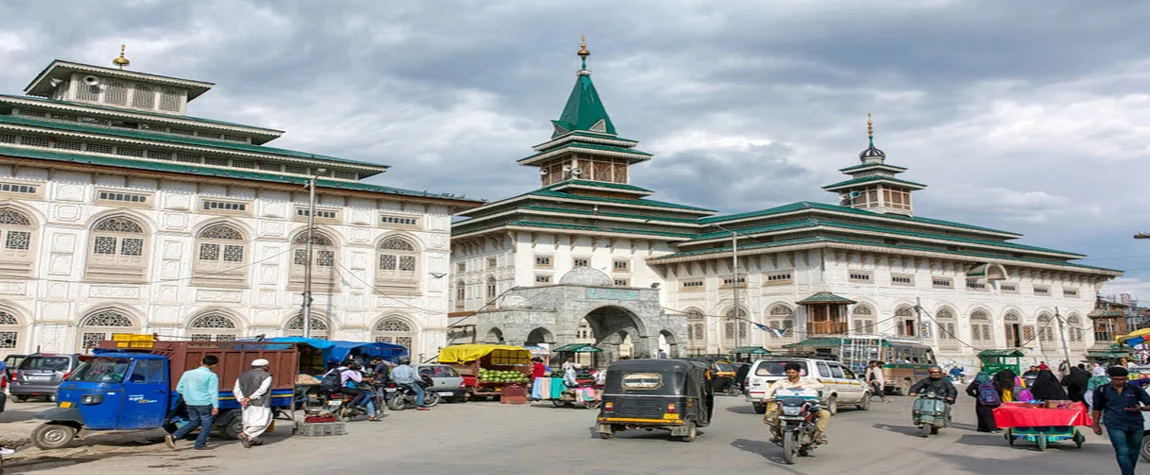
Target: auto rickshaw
667,394
722,375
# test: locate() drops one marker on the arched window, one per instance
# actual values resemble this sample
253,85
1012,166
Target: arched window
220,257
397,331
1074,330
213,326
730,323
460,295
100,325
863,317
947,333
981,334
319,327
85,92
492,289
16,253
117,251
170,100
907,320
116,93
143,97
324,260
781,316
10,333
696,331
398,263
1046,330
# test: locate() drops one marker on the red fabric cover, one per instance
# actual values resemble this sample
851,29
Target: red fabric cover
1018,414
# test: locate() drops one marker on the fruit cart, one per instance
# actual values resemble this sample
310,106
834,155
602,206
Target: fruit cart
488,369
1042,425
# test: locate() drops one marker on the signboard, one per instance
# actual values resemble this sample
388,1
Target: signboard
132,337
926,330
1028,333
612,294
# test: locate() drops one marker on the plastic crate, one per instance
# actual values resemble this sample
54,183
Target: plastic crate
322,429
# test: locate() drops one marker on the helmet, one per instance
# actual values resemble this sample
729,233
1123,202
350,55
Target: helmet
404,360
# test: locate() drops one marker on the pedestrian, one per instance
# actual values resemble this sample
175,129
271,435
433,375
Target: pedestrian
253,391
876,380
1098,370
200,389
569,364
1076,383
1120,406
662,354
1047,388
1063,369
1006,381
988,396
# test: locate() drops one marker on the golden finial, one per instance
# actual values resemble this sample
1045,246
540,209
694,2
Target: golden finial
870,129
122,60
583,53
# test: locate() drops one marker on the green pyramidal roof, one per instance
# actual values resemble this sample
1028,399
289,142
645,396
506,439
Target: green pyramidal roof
584,110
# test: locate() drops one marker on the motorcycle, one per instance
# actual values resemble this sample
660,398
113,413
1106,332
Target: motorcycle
797,412
931,413
337,403
401,396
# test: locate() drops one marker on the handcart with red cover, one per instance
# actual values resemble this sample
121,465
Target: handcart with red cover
1041,424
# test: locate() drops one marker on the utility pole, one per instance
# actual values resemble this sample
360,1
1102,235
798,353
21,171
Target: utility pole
1062,334
735,269
918,317
307,266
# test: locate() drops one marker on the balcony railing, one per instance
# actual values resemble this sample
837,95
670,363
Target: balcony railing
827,328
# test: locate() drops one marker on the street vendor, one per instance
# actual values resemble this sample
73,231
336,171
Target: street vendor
571,376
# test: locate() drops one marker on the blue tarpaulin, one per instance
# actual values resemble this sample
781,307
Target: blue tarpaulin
336,350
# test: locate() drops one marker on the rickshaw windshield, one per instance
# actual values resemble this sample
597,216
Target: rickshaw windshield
724,368
101,370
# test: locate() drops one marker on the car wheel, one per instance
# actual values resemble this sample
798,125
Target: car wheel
833,405
760,408
864,405
1146,449
20,398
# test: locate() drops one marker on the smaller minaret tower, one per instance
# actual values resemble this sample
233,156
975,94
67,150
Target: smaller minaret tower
873,185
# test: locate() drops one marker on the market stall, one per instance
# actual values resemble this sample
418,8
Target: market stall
489,370
994,361
554,389
315,355
1042,423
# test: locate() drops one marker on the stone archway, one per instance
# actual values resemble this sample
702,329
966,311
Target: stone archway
494,336
670,344
614,327
540,335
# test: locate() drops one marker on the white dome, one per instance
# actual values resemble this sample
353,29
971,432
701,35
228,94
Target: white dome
586,276
514,301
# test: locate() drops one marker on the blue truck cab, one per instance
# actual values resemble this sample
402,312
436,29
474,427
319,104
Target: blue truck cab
130,389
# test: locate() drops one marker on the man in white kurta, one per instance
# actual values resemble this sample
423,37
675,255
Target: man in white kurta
253,391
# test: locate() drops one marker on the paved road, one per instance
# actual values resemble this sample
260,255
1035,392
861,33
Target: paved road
23,411
489,438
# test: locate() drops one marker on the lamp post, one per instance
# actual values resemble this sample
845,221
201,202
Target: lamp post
307,265
735,269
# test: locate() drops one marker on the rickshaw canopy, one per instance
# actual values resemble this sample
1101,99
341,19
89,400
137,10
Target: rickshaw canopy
337,350
462,354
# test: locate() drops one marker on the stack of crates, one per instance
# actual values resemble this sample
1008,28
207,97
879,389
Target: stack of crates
514,394
321,429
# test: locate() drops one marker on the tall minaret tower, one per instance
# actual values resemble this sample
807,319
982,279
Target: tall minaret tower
873,185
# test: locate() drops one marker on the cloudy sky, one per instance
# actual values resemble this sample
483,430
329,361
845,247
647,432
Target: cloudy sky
1031,116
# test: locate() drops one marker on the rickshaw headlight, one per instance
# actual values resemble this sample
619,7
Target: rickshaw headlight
90,399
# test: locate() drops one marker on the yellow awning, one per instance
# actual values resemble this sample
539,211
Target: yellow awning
461,354
1144,333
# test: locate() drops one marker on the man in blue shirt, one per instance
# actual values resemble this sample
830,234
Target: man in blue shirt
200,389
407,375
1120,405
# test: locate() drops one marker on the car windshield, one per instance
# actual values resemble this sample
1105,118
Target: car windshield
777,368
101,370
438,371
46,363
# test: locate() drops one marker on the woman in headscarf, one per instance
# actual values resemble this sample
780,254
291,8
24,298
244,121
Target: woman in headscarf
1098,371
987,396
1005,380
1046,387
1075,383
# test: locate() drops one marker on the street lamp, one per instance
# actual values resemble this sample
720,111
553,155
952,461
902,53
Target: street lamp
735,268
307,266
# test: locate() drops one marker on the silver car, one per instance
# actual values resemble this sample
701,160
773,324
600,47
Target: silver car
447,382
40,373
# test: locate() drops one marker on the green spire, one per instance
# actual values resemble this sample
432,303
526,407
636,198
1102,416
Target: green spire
584,111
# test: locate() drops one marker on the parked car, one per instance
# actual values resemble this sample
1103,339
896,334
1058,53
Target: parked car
447,382
843,386
39,375
11,362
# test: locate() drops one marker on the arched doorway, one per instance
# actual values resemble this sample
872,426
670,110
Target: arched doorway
669,344
540,335
494,336
618,332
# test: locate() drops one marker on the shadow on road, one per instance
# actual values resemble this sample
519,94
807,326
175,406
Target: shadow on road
741,409
910,431
983,440
761,447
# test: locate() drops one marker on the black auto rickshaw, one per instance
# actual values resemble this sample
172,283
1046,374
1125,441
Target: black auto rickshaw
668,394
723,374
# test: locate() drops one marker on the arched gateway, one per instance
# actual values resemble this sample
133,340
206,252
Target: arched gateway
553,314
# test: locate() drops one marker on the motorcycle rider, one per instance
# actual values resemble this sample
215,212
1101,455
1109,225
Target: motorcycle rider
794,380
940,385
408,376
350,379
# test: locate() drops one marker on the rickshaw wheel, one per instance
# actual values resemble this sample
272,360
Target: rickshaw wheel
1041,440
1080,439
53,436
558,403
933,430
692,432
925,430
592,404
607,435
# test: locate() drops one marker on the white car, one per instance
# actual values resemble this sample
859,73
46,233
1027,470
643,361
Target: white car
843,386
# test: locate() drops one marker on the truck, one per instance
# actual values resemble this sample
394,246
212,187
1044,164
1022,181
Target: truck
129,383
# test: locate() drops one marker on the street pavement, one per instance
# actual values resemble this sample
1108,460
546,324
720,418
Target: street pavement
491,438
